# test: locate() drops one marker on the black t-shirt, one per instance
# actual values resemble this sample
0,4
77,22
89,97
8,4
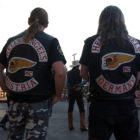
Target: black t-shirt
112,68
73,77
29,65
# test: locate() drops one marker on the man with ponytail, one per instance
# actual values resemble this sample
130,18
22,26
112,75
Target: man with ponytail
29,59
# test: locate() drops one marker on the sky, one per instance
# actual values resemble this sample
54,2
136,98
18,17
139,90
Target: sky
70,21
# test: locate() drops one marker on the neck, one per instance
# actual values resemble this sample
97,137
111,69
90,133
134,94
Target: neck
42,28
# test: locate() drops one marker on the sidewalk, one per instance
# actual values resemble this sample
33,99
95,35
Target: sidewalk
58,127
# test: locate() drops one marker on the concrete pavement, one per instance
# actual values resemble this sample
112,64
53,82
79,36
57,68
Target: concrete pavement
58,127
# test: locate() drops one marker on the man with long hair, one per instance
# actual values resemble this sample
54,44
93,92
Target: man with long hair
29,58
110,61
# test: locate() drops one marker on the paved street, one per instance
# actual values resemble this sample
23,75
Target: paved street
58,128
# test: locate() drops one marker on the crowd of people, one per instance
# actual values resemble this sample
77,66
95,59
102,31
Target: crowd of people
35,78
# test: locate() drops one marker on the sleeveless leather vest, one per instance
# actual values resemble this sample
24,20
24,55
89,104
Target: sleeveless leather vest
29,71
113,68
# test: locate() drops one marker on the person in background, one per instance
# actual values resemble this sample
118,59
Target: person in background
75,84
137,93
4,120
29,58
110,61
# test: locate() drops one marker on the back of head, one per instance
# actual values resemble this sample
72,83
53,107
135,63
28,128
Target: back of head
112,24
40,15
38,19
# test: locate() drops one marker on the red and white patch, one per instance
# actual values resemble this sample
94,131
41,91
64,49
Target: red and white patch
126,69
21,87
18,63
135,43
28,73
116,88
96,46
12,45
41,51
39,48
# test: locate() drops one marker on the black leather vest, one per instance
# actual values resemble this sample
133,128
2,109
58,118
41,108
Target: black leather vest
113,69
29,71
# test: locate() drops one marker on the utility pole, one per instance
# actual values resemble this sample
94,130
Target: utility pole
74,56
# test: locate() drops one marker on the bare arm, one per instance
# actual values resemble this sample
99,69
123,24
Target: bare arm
138,76
2,78
84,72
138,81
60,76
